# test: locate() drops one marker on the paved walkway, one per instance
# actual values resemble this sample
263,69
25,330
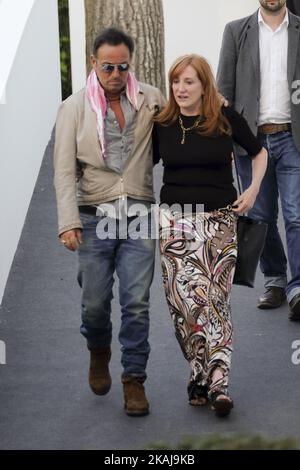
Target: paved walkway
45,400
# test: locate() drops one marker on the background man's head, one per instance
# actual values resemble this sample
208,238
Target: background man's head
272,5
111,59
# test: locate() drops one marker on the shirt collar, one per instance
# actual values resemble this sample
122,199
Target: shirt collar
286,20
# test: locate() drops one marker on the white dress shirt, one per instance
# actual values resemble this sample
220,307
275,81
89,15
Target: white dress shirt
274,90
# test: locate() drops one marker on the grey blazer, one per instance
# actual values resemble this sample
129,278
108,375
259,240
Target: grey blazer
238,75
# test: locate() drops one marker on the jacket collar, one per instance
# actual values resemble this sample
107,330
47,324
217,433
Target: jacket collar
140,97
253,37
294,37
293,43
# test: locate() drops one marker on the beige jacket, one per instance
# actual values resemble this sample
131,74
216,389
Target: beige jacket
77,145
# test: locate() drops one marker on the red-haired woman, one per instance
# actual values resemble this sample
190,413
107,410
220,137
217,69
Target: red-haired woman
194,136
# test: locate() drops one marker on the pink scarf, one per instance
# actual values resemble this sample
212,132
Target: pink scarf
96,97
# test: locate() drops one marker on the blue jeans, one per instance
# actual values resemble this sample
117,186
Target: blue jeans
133,261
282,179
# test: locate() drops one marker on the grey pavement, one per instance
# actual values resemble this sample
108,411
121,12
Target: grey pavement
45,400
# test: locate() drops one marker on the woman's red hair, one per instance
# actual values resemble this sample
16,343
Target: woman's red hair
215,122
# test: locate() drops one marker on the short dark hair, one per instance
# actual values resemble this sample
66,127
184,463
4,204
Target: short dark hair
113,37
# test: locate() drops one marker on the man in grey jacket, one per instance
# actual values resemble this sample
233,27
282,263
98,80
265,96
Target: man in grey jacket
105,132
259,73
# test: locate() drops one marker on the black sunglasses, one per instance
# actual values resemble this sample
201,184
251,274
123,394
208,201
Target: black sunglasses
109,68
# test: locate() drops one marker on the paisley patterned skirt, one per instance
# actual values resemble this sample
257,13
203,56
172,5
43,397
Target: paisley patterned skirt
198,256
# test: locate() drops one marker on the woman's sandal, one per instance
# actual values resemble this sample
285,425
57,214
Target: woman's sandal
197,394
220,403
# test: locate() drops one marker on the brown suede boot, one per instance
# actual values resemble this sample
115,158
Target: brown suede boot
136,403
99,376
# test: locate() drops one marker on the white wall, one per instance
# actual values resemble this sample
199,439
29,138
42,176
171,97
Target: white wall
10,37
196,26
77,37
27,115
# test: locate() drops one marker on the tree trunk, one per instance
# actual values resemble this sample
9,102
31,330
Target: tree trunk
141,19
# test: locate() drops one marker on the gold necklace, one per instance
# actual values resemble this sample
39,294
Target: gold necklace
186,129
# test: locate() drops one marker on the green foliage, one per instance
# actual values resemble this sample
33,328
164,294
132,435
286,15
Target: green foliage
65,57
230,442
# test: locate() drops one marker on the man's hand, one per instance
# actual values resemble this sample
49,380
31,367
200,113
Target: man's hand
224,101
71,239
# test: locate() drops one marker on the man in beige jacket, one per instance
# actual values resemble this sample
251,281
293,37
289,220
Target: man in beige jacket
104,131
